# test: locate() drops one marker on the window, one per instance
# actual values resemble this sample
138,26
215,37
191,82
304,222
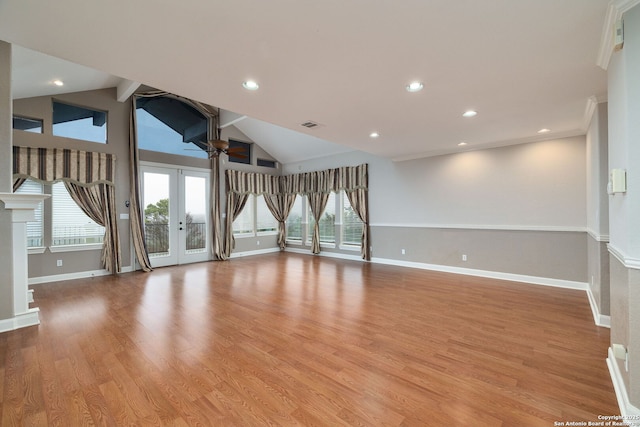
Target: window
35,229
266,163
26,124
294,220
71,121
326,222
339,223
70,225
265,221
351,223
241,148
168,125
243,224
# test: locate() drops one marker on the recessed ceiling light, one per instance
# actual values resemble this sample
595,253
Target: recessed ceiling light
469,113
374,135
250,85
58,82
414,87
545,130
462,144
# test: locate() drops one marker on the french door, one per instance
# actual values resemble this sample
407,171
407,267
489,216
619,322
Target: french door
176,219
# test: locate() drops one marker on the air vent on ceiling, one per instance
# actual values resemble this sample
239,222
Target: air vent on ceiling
309,124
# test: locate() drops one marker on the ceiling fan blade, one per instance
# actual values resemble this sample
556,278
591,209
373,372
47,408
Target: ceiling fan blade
237,155
236,150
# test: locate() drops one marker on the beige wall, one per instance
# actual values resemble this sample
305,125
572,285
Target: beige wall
117,143
518,209
624,209
6,233
548,254
598,208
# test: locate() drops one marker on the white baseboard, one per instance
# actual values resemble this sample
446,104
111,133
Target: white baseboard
626,408
22,320
71,276
250,253
545,281
600,319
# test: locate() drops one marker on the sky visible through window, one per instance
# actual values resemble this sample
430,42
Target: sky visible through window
153,135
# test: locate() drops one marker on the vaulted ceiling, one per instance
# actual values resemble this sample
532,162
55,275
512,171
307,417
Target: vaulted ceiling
523,65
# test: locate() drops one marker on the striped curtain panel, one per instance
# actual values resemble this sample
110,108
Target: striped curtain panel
135,195
89,178
355,182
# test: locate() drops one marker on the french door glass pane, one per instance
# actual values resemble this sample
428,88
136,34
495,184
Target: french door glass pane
195,198
156,213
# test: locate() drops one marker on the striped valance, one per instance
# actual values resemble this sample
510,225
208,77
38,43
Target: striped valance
61,164
251,183
348,178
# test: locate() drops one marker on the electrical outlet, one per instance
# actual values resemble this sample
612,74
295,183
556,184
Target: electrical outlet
59,263
403,251
258,243
626,361
464,257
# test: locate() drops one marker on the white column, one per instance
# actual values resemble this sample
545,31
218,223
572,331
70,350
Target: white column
22,207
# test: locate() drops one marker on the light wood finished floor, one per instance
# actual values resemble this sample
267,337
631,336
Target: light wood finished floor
289,339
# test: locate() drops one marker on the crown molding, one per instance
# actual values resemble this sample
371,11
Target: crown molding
590,109
486,146
614,13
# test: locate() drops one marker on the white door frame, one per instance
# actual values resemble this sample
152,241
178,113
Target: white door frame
178,253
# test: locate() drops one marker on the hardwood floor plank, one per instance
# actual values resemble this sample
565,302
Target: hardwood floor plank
289,339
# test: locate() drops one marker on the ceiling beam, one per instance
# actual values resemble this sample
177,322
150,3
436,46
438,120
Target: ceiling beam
228,118
126,89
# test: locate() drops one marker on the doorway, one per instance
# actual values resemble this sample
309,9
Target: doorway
176,220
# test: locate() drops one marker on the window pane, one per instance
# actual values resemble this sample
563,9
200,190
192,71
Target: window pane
265,221
327,222
26,124
71,226
294,220
243,224
167,125
156,213
195,200
239,152
351,223
79,123
266,163
35,229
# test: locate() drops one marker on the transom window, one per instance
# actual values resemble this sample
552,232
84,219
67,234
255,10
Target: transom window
168,125
71,121
26,124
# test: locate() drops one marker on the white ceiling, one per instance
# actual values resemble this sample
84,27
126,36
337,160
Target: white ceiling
522,64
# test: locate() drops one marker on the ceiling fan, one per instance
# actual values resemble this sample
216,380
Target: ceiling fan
216,146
